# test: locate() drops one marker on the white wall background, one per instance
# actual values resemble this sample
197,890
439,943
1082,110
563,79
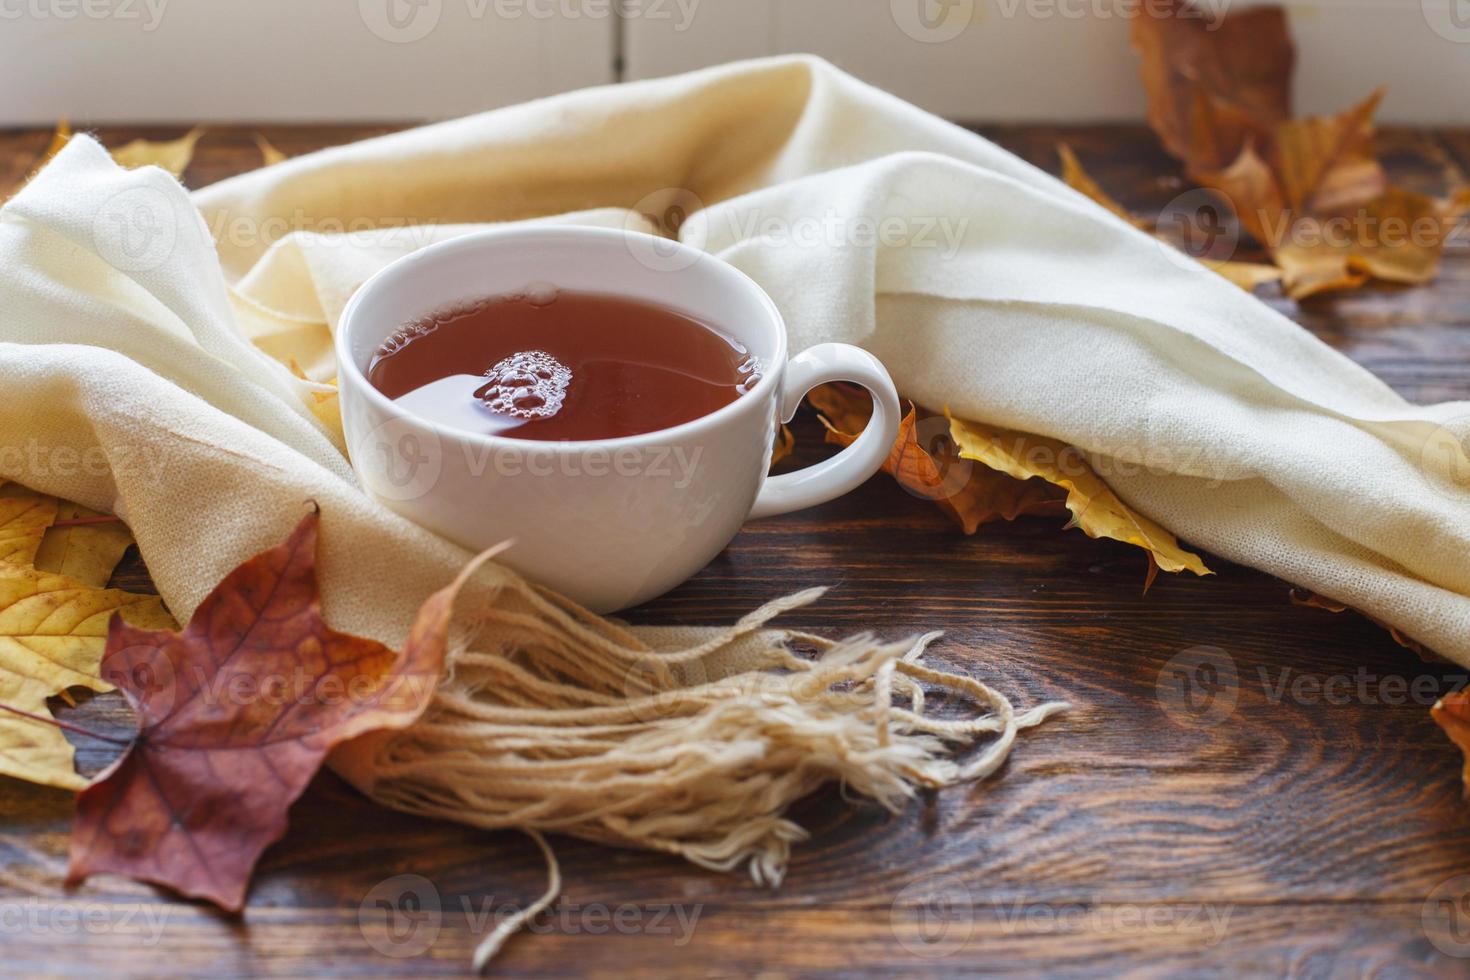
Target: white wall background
259,60
329,60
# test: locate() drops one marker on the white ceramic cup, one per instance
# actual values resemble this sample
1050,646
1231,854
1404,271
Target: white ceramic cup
609,522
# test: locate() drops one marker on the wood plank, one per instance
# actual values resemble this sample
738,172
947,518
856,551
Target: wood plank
1080,938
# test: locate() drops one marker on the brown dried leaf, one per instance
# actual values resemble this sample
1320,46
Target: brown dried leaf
1399,237
1406,235
1079,180
269,155
784,445
1326,164
1095,508
1218,132
1307,270
1452,713
1246,275
1218,101
1314,601
1251,189
930,468
1240,65
845,408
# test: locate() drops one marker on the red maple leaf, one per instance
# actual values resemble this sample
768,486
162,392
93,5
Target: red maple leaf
236,713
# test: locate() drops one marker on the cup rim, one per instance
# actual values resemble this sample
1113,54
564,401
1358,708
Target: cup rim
351,376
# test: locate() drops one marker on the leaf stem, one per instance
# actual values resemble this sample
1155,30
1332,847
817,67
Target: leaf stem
66,725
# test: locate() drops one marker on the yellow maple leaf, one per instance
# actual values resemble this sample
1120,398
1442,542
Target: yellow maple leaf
1452,713
172,155
1079,179
52,634
1246,275
80,549
269,153
322,401
784,445
1095,508
53,627
24,518
58,140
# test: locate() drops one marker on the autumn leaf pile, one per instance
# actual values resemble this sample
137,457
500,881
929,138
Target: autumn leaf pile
977,474
1310,191
235,714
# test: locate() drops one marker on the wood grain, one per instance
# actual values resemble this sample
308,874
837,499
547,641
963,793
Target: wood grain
1290,836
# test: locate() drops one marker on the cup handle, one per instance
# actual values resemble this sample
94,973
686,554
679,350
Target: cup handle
843,472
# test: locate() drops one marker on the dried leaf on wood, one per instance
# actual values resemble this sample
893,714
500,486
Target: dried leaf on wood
784,445
1079,180
1218,132
1325,164
1251,189
172,155
1399,237
1238,68
1311,190
930,468
235,715
85,547
269,155
1452,713
24,518
52,630
1095,508
1312,600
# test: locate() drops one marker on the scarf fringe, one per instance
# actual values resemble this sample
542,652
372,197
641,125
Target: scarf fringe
551,719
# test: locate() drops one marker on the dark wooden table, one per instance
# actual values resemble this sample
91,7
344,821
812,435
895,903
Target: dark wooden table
1304,834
